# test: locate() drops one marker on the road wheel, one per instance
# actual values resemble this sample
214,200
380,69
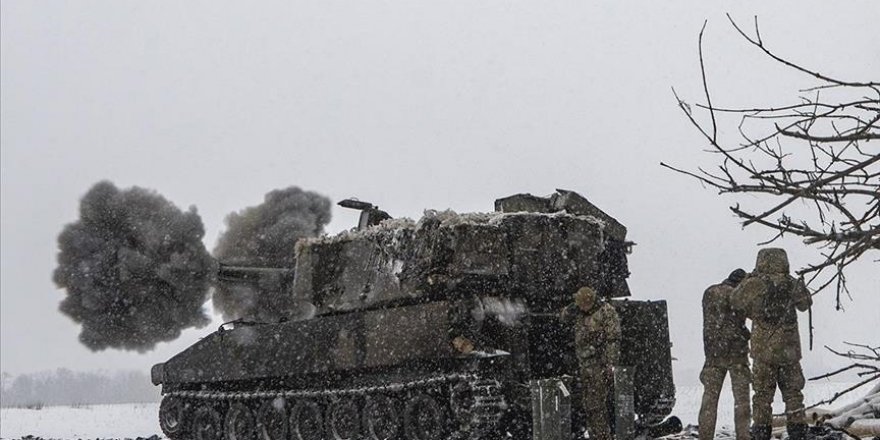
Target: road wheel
240,423
381,420
272,420
423,419
207,423
344,419
174,415
306,421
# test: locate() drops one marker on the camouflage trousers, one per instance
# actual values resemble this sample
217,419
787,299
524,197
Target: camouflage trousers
790,379
597,382
712,378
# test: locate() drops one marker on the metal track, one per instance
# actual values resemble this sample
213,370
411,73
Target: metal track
393,387
483,413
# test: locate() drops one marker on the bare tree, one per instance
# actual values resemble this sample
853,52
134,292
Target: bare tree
811,162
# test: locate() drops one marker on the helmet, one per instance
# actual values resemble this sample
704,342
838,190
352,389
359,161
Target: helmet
585,298
772,260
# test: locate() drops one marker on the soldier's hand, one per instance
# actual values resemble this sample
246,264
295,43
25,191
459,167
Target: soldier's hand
463,345
567,312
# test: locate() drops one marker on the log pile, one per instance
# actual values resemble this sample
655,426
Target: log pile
860,418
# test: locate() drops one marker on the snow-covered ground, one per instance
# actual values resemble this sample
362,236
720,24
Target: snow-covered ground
140,420
96,421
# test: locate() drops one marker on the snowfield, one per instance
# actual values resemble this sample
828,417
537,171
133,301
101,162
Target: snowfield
141,419
86,422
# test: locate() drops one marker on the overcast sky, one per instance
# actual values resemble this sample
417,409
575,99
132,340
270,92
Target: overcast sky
410,105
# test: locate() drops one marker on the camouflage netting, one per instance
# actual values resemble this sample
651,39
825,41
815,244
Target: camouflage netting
134,267
265,236
525,253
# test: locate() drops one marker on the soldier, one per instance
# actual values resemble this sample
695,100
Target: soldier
770,297
726,346
597,342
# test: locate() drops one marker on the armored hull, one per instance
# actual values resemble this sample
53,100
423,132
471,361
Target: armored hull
422,330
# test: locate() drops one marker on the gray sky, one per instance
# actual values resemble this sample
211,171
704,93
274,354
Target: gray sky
410,105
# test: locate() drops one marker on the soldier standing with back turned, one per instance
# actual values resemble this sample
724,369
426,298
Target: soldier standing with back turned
597,342
770,297
726,346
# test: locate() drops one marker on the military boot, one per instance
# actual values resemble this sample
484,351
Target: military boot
797,431
761,432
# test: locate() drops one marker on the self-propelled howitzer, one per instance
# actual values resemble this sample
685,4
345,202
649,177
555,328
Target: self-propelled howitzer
422,330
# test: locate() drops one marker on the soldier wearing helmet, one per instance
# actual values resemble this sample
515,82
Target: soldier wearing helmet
770,297
597,345
726,346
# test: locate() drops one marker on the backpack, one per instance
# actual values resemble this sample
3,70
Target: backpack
777,301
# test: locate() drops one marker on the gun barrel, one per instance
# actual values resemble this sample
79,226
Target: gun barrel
356,204
370,213
544,314
236,273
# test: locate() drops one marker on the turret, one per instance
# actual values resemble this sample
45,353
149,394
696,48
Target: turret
538,248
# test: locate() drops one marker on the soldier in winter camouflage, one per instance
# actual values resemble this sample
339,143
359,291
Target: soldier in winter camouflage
597,341
726,346
770,297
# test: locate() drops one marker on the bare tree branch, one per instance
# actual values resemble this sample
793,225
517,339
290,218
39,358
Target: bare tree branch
812,162
865,355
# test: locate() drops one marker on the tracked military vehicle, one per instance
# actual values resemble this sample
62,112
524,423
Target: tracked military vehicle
421,331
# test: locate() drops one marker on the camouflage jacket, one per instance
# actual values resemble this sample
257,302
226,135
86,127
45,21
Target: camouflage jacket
596,335
725,336
770,297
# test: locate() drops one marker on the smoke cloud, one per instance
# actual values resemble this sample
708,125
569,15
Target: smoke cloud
265,235
134,267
